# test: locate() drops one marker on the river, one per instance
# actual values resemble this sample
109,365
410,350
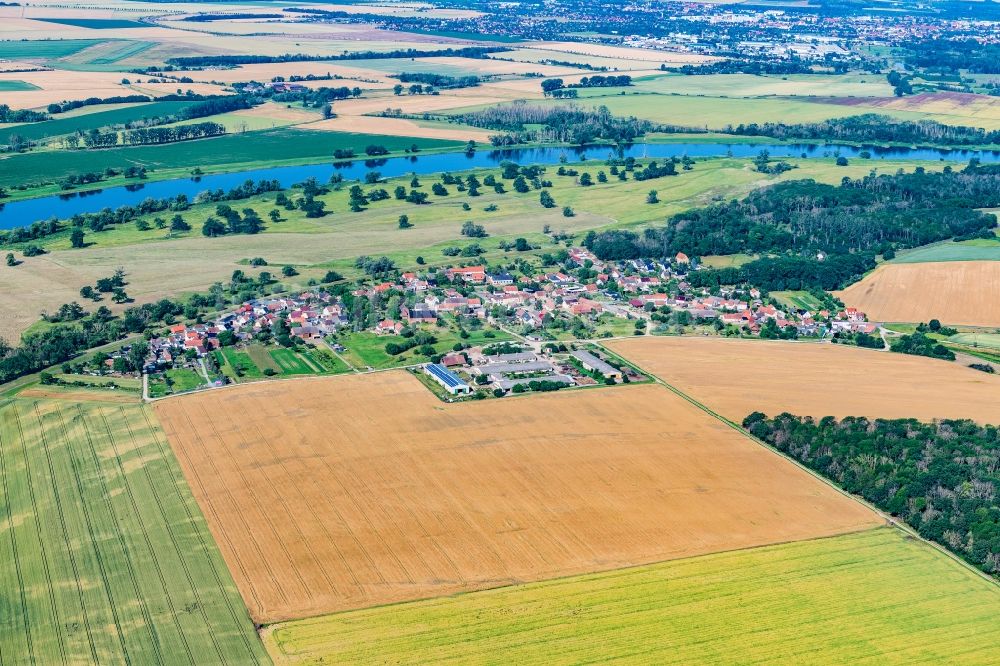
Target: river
23,213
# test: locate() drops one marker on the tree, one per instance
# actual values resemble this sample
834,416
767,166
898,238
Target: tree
934,325
546,199
404,222
602,177
177,223
274,215
397,89
652,197
841,161
586,180
568,212
289,271
11,261
212,228
473,230
76,237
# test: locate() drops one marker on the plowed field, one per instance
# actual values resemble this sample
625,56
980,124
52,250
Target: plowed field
332,494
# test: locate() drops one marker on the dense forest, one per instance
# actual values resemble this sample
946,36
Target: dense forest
874,128
820,235
564,124
942,478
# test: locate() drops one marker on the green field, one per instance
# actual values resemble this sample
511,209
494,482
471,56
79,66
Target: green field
258,148
44,48
290,363
177,380
106,557
238,364
96,24
60,125
876,597
797,299
987,341
974,250
16,86
368,349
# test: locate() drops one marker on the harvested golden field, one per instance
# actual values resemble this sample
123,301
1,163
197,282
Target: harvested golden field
622,52
956,292
365,490
737,377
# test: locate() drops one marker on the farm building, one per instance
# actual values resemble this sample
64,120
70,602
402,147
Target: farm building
448,379
595,364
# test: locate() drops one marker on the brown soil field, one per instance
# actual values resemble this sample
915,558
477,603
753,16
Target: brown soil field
956,292
737,377
339,493
398,127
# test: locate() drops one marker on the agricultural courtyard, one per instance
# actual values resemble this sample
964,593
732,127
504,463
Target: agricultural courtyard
414,499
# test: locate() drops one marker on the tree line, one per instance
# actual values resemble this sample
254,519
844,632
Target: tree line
234,60
942,478
438,80
95,138
568,123
873,128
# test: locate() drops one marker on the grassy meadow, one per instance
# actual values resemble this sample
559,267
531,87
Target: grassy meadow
261,149
106,555
870,597
61,125
980,249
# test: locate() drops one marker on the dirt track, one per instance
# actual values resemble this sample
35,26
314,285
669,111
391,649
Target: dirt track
348,492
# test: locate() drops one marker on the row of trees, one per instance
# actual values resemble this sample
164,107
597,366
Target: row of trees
95,138
568,123
187,62
942,478
873,128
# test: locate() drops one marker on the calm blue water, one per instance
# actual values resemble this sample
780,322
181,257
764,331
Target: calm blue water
22,213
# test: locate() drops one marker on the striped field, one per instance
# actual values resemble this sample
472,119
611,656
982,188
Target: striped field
874,597
104,555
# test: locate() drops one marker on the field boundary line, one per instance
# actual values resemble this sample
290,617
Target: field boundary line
885,516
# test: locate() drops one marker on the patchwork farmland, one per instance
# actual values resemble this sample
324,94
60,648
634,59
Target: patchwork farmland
412,498
872,597
105,555
737,377
955,292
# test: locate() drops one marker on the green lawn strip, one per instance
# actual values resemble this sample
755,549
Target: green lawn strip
326,360
242,363
261,149
107,558
261,358
289,362
876,596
